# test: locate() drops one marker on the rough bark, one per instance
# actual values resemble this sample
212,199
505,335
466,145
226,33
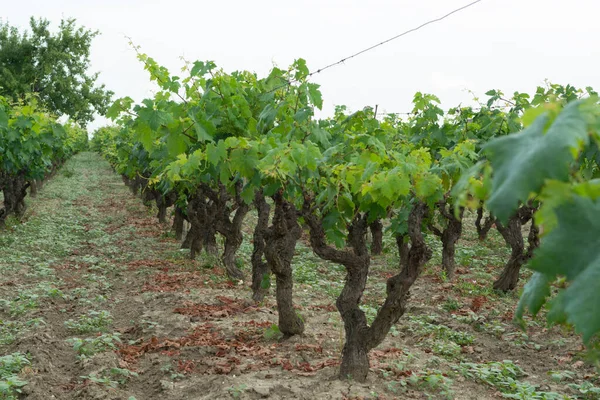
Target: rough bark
231,228
513,236
163,202
488,222
201,214
280,244
135,185
355,361
147,194
403,249
376,228
449,236
189,237
178,221
196,213
260,269
360,338
14,189
398,286
209,239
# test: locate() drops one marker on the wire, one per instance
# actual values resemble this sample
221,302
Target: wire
394,38
474,109
318,71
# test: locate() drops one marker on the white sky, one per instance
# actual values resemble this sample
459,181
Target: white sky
496,44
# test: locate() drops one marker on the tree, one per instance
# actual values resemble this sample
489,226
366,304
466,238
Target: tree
54,66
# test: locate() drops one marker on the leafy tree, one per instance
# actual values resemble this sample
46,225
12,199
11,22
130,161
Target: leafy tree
54,66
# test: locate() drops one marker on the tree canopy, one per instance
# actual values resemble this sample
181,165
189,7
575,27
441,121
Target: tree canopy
54,66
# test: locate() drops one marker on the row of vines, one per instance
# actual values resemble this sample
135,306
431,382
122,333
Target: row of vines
33,145
214,146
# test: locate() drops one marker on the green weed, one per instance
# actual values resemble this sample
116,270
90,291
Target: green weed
10,383
93,321
89,346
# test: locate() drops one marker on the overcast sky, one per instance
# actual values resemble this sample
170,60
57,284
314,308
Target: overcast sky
496,44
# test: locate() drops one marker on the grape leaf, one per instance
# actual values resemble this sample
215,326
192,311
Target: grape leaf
571,250
155,118
523,161
315,95
575,244
578,304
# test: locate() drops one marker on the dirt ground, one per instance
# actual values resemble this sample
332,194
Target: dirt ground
97,296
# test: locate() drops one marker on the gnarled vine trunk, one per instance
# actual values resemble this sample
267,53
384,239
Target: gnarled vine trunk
14,189
260,269
449,236
163,202
513,236
360,338
178,222
398,286
280,244
403,249
376,228
488,223
355,361
202,233
230,228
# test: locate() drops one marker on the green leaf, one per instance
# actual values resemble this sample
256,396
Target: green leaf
3,118
303,114
248,194
572,250
265,283
155,118
205,130
146,136
523,161
320,136
201,68
118,106
301,69
314,94
216,153
576,244
272,332
578,304
176,144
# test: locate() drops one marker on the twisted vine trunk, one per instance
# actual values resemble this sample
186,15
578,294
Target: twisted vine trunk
231,229
360,338
163,202
488,223
260,269
449,236
202,234
189,237
398,286
377,234
280,244
178,222
14,189
513,236
355,360
403,249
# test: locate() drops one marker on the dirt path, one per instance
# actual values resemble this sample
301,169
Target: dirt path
102,303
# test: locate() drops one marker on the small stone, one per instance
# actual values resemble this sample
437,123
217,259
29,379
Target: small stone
263,390
167,385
